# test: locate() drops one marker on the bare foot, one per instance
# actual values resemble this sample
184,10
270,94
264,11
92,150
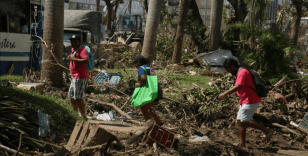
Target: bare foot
269,135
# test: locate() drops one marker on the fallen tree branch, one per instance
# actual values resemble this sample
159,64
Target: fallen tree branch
290,130
214,84
110,88
288,82
133,138
167,98
44,142
9,150
93,147
51,52
128,99
18,149
116,108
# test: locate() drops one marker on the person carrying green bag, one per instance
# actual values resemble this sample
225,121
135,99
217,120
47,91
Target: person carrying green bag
144,87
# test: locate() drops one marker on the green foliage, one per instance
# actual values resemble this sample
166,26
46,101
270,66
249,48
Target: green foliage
60,112
197,30
164,39
13,78
269,49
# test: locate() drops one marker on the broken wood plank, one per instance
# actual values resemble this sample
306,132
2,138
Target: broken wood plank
77,146
116,108
135,137
93,131
73,136
292,152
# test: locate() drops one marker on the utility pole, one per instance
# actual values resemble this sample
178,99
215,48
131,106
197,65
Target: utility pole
216,17
151,29
97,5
53,36
177,51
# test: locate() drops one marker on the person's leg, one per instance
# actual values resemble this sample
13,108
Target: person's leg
74,104
255,125
242,131
154,116
247,118
145,110
81,107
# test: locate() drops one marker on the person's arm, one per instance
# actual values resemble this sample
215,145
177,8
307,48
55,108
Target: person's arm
84,57
84,60
230,91
143,80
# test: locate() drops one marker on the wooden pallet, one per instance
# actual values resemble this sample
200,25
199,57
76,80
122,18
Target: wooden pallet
86,135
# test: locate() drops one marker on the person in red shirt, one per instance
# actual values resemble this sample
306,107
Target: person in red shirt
249,100
79,73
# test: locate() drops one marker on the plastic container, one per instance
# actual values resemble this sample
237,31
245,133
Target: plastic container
303,124
197,138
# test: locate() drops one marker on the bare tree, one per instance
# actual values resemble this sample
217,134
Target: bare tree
53,35
216,17
151,29
177,51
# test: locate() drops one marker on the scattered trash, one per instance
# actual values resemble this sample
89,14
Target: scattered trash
293,124
192,72
95,114
303,124
104,117
197,138
210,83
130,113
44,123
101,77
161,136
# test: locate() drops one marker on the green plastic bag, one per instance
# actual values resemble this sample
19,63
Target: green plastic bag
147,93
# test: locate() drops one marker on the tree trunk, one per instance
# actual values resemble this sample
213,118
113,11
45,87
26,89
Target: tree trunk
109,14
177,51
151,29
53,35
216,12
97,5
296,24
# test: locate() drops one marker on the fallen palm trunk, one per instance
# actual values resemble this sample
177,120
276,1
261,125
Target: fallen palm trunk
116,108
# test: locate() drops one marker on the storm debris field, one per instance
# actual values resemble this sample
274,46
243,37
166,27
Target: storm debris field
191,115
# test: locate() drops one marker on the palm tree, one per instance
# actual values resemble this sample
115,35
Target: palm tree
216,17
53,32
151,29
177,51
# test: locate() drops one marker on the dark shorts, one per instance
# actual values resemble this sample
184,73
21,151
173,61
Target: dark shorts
159,94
